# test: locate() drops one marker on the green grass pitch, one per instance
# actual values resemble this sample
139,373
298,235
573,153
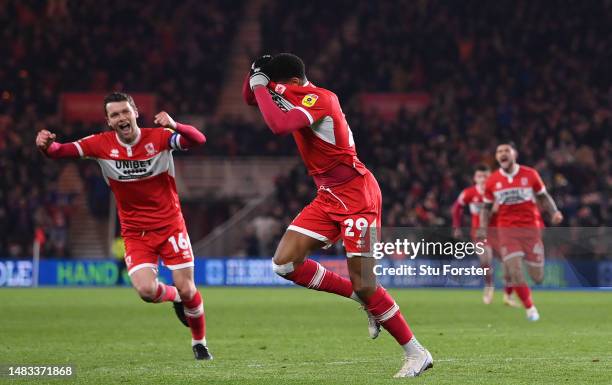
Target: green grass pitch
297,336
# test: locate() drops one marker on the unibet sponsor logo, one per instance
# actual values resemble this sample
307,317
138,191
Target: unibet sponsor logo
134,169
514,195
309,100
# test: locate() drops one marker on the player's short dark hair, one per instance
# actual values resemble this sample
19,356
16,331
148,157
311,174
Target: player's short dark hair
118,97
508,143
482,167
285,66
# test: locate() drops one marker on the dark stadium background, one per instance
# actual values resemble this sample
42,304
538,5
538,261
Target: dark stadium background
464,75
429,88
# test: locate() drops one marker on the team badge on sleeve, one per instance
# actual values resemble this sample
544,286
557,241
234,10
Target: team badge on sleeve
309,100
280,89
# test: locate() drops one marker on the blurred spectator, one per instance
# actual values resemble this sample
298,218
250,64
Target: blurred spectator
175,49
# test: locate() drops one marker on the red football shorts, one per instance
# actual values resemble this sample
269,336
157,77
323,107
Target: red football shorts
351,211
523,242
170,243
491,242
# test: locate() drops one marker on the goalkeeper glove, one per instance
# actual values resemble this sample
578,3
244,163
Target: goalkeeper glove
258,76
260,63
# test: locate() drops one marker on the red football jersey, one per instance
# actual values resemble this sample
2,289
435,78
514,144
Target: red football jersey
328,141
474,199
515,194
140,175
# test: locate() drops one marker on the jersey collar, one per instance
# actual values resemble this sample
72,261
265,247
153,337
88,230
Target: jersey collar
511,174
135,142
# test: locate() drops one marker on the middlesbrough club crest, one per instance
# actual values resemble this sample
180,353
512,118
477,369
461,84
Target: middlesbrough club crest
280,89
523,181
150,149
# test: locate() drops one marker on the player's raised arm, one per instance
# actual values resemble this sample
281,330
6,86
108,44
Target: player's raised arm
546,201
45,141
188,137
256,66
247,92
278,121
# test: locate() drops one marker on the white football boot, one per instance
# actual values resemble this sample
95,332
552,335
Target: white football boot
532,314
416,361
373,325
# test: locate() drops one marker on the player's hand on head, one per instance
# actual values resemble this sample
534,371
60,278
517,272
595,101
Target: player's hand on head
258,72
259,65
44,139
164,120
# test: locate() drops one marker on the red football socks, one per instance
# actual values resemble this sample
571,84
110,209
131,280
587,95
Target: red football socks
524,294
387,312
165,293
194,311
312,275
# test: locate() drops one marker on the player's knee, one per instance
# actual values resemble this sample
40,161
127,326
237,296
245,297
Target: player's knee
283,257
537,277
186,290
517,277
282,269
146,291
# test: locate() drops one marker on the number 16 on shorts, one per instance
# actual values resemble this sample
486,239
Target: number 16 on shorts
181,246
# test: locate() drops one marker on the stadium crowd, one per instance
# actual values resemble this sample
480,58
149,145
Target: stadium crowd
516,70
521,71
175,49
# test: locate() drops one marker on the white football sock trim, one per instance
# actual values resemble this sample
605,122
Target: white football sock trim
317,278
195,342
388,314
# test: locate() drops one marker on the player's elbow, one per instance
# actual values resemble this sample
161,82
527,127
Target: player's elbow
199,140
276,128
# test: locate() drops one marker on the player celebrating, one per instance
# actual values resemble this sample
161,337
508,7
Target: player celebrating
348,203
515,188
137,164
473,198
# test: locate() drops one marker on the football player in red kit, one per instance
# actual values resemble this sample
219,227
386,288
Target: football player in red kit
515,189
473,198
137,165
347,205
